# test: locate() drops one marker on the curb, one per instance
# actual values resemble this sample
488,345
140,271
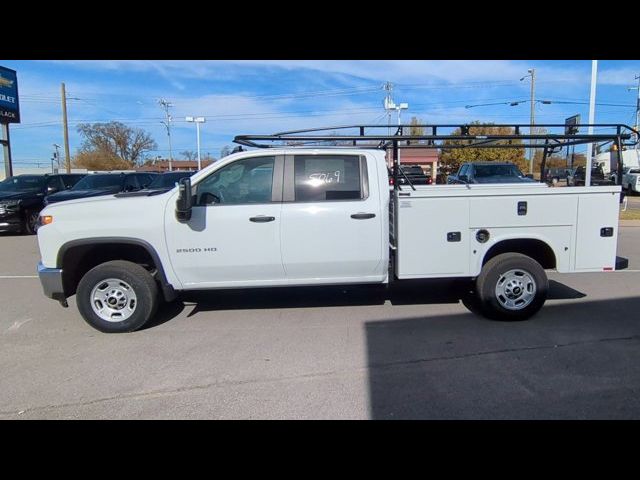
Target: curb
630,223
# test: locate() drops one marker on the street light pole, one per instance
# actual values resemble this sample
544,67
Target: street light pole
57,157
532,74
197,121
592,116
637,125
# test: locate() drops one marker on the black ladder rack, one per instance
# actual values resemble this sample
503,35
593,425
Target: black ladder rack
449,136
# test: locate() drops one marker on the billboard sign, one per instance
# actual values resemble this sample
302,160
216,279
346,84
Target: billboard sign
9,106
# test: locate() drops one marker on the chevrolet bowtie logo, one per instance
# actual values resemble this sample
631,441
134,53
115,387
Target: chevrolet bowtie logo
5,82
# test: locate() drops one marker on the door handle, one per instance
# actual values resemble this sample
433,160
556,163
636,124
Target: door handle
363,216
262,219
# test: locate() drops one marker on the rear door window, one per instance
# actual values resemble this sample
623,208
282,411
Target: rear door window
131,183
320,178
70,180
54,183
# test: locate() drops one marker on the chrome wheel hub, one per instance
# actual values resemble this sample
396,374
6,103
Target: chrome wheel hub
113,300
515,289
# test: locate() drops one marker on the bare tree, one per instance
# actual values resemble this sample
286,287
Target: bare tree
189,155
116,140
226,150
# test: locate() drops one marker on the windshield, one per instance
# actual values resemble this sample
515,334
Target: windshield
497,171
22,184
168,180
99,182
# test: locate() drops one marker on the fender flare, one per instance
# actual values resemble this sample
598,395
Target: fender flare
168,291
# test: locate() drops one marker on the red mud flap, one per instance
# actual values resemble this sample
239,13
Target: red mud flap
622,263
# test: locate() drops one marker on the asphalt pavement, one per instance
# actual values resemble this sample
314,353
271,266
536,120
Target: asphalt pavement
318,353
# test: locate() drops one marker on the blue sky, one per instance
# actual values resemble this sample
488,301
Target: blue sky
268,96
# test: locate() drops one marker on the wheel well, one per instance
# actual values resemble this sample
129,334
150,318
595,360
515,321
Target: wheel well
540,251
77,260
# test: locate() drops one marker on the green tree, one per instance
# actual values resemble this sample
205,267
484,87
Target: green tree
452,158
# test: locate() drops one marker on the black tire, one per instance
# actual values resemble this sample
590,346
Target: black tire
492,305
30,222
470,299
140,281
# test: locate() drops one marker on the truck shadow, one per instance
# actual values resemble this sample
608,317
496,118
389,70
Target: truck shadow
413,292
571,361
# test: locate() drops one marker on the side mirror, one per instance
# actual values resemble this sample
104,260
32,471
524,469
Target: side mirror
184,204
464,178
529,175
51,190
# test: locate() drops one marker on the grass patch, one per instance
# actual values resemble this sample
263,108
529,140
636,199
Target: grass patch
630,214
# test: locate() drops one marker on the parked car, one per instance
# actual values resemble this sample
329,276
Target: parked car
555,175
168,180
97,184
414,173
631,179
489,172
22,198
597,177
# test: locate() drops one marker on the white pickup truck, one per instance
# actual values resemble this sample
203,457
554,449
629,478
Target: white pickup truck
631,179
319,216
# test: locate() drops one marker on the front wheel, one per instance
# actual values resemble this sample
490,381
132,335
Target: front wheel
30,222
117,297
511,287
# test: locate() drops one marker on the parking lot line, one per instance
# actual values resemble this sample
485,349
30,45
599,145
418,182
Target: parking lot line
9,277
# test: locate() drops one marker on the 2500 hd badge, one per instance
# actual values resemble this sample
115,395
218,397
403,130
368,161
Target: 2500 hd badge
196,250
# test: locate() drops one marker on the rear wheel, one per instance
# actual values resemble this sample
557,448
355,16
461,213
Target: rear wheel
470,299
511,287
117,296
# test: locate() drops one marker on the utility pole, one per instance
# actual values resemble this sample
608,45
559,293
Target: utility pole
388,87
166,105
65,129
389,105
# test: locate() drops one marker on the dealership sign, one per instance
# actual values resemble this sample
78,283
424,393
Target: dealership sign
9,106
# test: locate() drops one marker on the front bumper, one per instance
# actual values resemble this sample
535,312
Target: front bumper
52,285
10,221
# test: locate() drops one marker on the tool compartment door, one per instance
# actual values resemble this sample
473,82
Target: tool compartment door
433,237
596,247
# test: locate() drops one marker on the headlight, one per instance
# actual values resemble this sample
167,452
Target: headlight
45,220
10,204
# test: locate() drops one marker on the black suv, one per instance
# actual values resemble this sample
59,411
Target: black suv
97,184
22,198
